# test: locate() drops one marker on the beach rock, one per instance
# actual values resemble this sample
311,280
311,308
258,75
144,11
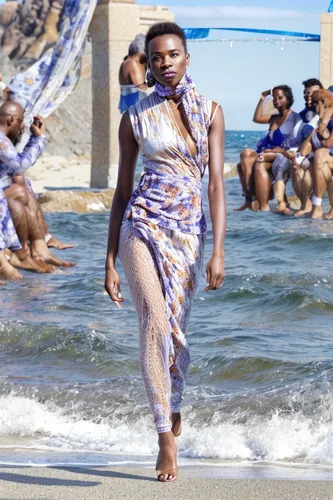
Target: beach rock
230,170
76,201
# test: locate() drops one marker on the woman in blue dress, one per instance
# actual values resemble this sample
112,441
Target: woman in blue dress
281,128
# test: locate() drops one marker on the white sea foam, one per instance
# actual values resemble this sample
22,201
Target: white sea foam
293,438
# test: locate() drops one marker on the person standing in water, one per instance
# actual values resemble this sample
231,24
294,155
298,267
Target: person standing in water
160,242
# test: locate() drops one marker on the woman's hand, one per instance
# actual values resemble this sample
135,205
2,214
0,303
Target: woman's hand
112,286
265,93
215,272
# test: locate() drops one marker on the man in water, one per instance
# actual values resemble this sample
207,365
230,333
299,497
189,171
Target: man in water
23,206
132,75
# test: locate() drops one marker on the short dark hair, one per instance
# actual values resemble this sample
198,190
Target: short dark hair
311,82
159,29
287,92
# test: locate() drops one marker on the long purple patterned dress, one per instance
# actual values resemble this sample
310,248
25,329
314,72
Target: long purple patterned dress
161,244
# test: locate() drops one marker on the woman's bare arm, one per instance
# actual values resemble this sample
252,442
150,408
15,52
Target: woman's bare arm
127,162
217,205
258,116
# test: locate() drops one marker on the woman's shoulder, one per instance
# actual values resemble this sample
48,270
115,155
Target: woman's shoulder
146,103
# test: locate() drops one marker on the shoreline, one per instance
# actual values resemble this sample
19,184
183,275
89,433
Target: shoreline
99,483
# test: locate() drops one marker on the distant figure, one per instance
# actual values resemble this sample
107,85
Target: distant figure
23,206
280,129
302,149
132,75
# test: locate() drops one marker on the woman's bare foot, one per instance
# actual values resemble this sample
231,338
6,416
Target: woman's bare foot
317,212
306,210
176,424
245,206
288,212
22,261
39,250
264,208
329,215
281,208
7,271
166,465
59,245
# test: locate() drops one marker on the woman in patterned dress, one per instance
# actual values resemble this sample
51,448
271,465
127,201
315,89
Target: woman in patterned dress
160,239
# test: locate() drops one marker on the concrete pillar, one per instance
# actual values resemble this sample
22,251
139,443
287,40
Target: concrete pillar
114,25
326,49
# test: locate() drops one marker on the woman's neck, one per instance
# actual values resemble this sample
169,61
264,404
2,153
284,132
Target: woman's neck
284,112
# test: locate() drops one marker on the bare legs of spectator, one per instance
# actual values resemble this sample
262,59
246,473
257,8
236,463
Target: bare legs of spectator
23,208
322,182
245,172
50,240
303,185
7,271
263,183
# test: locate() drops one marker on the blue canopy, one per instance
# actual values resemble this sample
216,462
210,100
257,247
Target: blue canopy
200,33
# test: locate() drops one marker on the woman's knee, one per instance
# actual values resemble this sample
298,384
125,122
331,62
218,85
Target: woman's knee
247,153
17,192
259,168
320,157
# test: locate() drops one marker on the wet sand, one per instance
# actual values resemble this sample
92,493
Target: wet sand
194,483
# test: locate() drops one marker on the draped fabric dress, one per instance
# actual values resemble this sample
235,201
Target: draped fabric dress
161,245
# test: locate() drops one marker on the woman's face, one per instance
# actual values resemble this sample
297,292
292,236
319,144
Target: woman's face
167,59
279,99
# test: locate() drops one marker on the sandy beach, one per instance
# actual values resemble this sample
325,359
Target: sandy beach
60,172
132,483
74,172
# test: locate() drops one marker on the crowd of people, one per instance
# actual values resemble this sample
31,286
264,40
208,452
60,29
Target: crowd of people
25,238
296,146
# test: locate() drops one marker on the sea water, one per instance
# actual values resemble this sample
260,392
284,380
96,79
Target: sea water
260,385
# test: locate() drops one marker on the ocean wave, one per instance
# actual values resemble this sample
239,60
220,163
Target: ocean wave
281,437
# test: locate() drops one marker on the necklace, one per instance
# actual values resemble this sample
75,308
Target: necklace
175,106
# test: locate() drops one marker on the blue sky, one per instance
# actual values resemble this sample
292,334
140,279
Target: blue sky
235,73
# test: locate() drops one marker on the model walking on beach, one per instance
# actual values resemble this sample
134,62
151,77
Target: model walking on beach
160,241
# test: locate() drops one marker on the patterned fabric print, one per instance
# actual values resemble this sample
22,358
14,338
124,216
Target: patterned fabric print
170,201
46,84
12,162
182,262
198,120
8,236
165,216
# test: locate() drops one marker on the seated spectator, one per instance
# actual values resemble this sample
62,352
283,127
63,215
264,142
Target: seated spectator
269,170
323,157
281,127
301,150
22,204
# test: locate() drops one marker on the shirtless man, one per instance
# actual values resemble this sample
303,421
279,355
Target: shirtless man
132,75
22,204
